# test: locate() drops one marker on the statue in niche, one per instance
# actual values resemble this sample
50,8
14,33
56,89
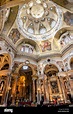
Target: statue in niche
14,35
66,84
1,87
54,87
45,46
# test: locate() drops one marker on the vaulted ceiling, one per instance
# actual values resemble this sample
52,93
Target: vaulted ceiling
17,8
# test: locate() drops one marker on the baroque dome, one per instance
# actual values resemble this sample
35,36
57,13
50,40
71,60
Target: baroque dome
39,20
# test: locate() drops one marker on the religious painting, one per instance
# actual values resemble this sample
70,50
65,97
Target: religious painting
54,87
14,35
45,46
68,18
66,84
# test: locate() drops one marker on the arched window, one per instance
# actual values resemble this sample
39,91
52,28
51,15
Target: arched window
27,49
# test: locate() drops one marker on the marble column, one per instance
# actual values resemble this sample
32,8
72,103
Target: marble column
71,87
63,89
34,77
61,76
46,89
30,93
59,87
33,89
38,91
8,88
49,90
70,78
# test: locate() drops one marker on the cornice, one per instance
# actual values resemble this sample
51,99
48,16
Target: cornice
38,56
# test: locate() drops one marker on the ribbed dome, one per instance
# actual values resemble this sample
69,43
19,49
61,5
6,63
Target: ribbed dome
39,20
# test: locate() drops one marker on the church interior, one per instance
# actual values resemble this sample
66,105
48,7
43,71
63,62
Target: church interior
36,52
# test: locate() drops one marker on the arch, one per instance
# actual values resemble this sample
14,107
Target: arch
24,70
50,69
62,31
31,42
30,65
54,63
